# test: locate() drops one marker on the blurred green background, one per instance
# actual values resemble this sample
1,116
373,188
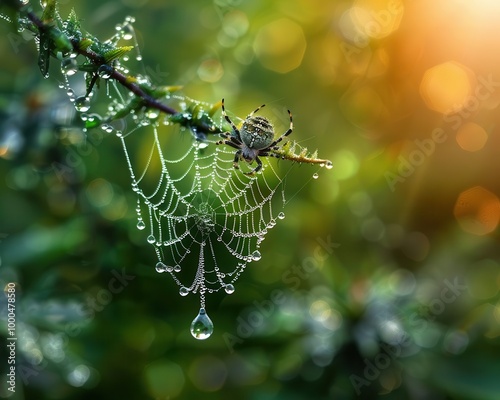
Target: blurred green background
402,96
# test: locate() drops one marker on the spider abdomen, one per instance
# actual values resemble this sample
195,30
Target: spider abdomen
257,132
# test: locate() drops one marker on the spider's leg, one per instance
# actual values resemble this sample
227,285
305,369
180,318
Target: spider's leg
225,135
237,157
233,145
289,130
257,168
229,120
254,111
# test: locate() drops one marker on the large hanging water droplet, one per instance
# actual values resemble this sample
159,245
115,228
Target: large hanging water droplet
256,256
69,66
281,215
315,176
229,288
141,225
329,165
160,267
82,104
202,326
183,291
151,239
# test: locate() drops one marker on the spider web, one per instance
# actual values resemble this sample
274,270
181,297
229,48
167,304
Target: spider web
205,219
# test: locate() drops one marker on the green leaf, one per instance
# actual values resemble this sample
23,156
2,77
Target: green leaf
60,41
50,11
116,53
85,43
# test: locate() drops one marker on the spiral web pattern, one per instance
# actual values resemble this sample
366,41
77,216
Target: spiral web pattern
205,219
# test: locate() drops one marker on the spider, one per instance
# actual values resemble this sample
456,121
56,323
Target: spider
254,139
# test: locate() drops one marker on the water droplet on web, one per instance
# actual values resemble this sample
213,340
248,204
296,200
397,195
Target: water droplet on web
93,120
152,113
229,288
183,291
69,66
151,239
281,215
141,225
329,165
107,128
160,267
82,104
256,256
170,268
128,32
315,176
177,268
71,94
202,326
104,71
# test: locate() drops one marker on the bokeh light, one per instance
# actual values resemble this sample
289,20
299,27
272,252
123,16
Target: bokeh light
446,87
477,210
471,137
280,45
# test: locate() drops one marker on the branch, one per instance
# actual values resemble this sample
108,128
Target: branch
63,39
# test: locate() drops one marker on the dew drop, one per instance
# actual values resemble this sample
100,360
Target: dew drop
69,66
141,225
128,32
281,215
183,291
151,239
93,121
160,267
152,113
202,326
329,165
229,288
256,256
177,268
170,268
82,104
105,71
315,176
